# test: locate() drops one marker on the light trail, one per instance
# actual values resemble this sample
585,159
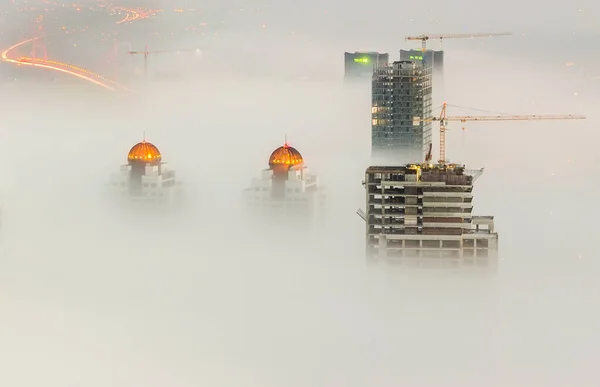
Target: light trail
131,14
135,13
64,68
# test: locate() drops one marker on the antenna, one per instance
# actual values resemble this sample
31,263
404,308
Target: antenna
144,136
286,143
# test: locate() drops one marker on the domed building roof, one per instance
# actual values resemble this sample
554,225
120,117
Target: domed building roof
144,152
285,155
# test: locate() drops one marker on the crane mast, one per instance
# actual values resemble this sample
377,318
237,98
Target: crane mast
443,120
425,38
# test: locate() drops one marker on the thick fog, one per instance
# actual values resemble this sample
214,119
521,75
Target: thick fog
93,294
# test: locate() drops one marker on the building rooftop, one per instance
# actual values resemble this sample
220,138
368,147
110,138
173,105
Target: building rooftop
285,155
144,152
423,167
367,53
451,174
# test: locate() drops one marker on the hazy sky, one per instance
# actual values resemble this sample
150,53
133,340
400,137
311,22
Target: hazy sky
93,296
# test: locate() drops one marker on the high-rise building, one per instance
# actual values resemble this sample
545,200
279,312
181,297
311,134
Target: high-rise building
145,178
360,65
286,189
422,215
435,58
401,95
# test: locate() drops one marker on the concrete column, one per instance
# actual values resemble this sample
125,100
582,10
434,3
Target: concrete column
382,246
493,247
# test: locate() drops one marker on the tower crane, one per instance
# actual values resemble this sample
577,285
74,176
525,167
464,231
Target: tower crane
145,52
443,120
425,38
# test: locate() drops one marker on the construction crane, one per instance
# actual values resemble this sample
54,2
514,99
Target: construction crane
425,38
146,53
443,120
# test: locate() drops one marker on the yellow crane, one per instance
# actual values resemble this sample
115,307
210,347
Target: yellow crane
145,52
443,120
425,38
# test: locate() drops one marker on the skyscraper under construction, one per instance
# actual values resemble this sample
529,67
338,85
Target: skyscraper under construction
401,93
421,215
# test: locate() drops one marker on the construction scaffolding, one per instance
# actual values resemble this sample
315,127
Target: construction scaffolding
400,92
421,215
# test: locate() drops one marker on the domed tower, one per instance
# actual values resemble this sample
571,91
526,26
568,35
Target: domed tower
144,153
140,156
283,158
286,188
280,162
146,178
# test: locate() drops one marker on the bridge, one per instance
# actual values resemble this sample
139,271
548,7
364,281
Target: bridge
8,56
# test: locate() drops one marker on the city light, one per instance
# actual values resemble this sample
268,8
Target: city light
135,13
64,68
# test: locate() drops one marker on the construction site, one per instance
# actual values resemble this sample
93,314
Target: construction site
421,215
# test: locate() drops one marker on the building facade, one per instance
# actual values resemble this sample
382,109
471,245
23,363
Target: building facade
401,92
435,58
145,178
287,189
422,216
360,65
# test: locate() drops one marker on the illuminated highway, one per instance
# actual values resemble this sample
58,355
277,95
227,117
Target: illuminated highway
58,66
124,15
135,13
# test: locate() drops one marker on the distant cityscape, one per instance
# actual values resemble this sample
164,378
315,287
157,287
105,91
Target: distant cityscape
419,212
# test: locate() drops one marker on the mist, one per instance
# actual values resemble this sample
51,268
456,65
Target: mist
93,294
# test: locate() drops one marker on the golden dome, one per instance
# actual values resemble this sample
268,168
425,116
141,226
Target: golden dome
144,152
285,155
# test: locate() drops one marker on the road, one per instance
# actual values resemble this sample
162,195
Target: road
8,56
85,35
132,14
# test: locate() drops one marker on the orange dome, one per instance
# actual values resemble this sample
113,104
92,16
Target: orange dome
285,155
144,152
